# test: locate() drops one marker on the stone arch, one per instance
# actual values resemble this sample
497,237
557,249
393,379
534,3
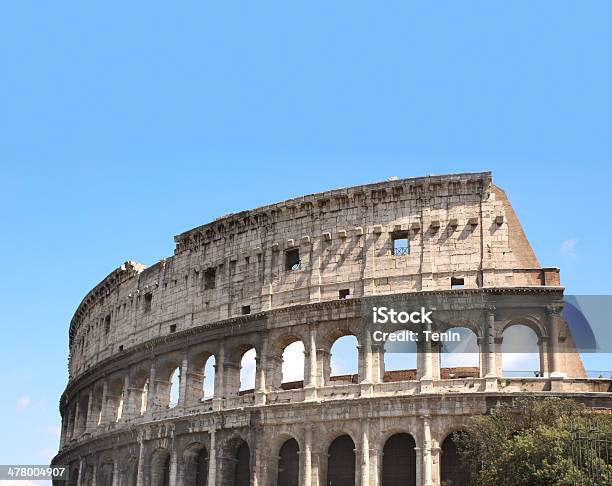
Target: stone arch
452,471
341,461
333,340
105,472
195,465
167,381
399,361
96,407
199,377
160,467
460,359
521,353
236,461
115,398
288,468
399,460
128,475
74,478
278,372
234,374
139,384
531,321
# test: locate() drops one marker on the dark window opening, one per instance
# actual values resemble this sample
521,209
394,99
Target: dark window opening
172,328
292,259
107,322
401,244
457,283
209,278
121,348
246,309
344,294
148,299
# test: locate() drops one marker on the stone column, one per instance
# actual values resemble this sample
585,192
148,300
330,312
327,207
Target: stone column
555,322
366,351
94,475
212,459
140,475
81,479
173,467
76,432
419,465
126,413
151,390
310,388
427,363
219,392
489,343
375,465
427,463
364,460
260,380
64,433
115,473
89,423
306,458
183,380
104,405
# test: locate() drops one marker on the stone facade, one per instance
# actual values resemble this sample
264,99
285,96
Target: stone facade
301,270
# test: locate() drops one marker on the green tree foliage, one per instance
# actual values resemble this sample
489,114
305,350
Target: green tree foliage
533,442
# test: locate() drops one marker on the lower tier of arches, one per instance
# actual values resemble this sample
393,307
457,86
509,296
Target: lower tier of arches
368,442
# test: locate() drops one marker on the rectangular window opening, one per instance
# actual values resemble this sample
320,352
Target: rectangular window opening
209,278
344,294
148,299
172,328
401,243
457,283
292,259
107,324
246,309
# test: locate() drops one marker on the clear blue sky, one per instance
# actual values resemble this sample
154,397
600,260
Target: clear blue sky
124,123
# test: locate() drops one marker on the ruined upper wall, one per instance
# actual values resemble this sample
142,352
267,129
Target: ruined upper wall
458,227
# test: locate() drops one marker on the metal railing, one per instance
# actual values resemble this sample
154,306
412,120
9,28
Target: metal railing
591,454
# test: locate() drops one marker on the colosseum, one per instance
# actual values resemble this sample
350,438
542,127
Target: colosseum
304,271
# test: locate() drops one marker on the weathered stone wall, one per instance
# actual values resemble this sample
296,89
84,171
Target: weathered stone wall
139,324
457,226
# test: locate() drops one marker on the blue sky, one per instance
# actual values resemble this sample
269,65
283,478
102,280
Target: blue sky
122,124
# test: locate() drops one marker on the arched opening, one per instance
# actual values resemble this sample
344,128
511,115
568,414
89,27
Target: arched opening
452,472
74,478
248,366
460,358
293,365
196,465
400,359
520,352
144,397
160,468
288,464
399,461
139,385
105,474
115,399
175,385
208,383
344,360
341,462
129,473
242,465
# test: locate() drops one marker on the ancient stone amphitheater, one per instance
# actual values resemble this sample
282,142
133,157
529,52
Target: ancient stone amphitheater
300,271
